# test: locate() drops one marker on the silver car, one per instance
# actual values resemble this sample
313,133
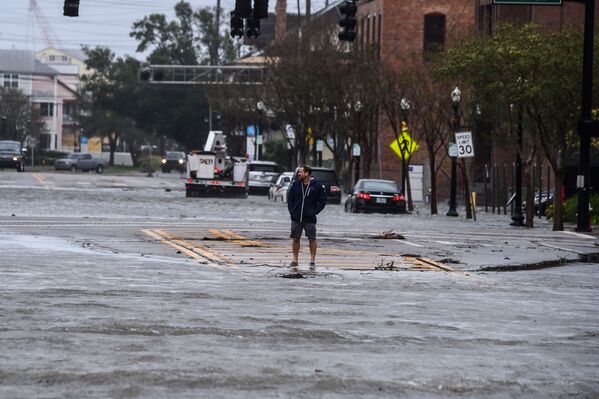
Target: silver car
68,163
81,161
262,175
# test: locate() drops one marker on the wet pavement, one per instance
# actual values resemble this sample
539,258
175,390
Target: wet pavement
119,286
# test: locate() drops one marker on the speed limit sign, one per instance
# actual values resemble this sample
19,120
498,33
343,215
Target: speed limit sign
465,144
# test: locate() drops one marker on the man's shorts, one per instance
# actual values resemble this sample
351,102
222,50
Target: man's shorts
297,227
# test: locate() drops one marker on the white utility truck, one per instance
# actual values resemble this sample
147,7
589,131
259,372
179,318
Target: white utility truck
211,173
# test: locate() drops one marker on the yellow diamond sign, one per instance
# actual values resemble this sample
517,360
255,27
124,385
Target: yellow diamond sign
404,146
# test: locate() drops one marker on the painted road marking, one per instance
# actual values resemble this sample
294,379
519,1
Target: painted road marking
198,248
41,179
193,250
562,248
588,237
412,244
244,251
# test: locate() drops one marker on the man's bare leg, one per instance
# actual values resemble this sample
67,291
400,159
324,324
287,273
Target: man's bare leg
312,250
295,246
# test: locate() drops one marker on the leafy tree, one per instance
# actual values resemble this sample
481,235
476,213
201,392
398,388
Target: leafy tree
111,108
17,120
323,93
428,116
538,69
189,40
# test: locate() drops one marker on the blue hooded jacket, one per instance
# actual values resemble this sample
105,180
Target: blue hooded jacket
304,203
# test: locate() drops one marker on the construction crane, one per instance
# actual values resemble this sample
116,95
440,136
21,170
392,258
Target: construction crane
48,34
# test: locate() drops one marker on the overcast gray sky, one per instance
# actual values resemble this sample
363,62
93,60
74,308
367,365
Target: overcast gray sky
100,22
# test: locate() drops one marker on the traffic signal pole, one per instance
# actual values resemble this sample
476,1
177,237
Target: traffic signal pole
586,126
348,22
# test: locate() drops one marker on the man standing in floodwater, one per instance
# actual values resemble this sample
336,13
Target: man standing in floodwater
306,199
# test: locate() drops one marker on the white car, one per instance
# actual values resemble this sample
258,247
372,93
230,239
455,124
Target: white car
279,189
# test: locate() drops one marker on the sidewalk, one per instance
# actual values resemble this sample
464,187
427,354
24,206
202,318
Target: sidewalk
490,243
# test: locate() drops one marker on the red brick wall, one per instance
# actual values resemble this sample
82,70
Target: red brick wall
402,38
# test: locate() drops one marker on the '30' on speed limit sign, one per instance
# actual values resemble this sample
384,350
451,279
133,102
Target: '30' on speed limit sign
465,145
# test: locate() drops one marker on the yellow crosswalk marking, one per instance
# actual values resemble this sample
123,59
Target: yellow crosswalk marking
236,250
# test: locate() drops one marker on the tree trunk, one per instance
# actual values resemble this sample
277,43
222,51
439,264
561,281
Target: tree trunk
558,215
530,197
112,140
280,21
409,188
466,182
404,170
433,183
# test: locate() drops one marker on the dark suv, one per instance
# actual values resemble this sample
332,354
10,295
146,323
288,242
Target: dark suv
174,160
328,178
11,155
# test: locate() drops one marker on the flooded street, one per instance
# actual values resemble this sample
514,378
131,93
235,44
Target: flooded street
93,306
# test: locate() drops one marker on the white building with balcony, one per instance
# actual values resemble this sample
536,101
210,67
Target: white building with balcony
53,93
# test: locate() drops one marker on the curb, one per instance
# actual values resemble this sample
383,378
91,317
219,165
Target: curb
584,258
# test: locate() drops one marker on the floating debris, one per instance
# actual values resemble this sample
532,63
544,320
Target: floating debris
386,266
390,235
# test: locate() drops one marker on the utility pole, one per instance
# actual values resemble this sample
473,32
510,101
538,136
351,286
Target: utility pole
587,127
216,39
517,217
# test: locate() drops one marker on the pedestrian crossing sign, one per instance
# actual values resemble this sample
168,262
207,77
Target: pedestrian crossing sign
404,146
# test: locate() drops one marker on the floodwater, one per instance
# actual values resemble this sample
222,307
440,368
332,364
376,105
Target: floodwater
96,310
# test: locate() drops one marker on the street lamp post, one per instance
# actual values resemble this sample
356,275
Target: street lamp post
3,118
517,217
258,134
405,107
456,96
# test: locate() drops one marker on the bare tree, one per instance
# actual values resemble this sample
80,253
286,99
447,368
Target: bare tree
429,113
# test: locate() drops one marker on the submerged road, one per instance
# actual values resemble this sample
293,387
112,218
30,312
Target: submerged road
118,286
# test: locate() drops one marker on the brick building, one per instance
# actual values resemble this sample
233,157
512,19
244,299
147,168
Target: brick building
402,29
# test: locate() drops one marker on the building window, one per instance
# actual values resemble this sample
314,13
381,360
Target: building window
46,109
434,33
64,58
52,58
11,80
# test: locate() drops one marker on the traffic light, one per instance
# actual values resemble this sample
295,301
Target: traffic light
243,8
348,22
252,27
260,9
236,25
146,73
71,8
157,75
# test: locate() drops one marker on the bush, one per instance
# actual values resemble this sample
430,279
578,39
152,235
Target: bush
149,164
571,209
47,157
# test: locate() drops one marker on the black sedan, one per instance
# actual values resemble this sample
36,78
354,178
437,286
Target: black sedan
370,195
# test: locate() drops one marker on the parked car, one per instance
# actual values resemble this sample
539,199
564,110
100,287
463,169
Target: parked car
174,160
68,163
328,178
11,155
262,174
81,161
279,189
372,195
542,202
